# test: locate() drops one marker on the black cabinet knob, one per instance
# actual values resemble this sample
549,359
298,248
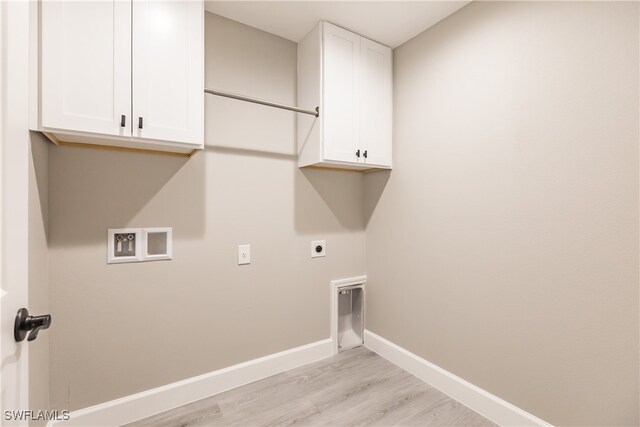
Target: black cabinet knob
123,120
358,153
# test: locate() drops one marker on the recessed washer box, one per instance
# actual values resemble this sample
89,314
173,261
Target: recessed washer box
124,245
139,244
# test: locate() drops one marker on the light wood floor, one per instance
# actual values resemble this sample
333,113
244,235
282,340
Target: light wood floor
356,387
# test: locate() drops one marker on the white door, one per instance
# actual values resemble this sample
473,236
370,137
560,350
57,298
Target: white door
14,190
376,103
341,87
86,66
168,70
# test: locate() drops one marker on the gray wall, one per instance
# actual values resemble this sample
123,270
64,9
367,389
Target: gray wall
38,269
121,329
504,247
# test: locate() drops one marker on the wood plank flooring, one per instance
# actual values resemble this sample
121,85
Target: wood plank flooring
354,388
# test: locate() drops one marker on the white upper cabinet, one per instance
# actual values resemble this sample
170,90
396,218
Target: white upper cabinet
127,73
350,78
168,100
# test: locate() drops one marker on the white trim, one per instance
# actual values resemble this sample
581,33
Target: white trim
147,403
34,65
334,285
486,404
357,280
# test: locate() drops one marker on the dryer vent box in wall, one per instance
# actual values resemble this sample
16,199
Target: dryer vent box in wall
347,312
350,317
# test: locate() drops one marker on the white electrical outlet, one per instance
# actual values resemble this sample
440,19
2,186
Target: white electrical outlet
244,254
318,248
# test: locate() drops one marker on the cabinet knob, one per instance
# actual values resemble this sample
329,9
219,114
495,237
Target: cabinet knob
139,122
123,120
358,153
364,154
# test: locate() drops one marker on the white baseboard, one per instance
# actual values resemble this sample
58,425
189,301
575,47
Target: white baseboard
147,403
486,404
141,405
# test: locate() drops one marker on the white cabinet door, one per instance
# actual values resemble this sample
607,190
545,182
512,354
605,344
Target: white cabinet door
376,103
168,70
86,66
341,87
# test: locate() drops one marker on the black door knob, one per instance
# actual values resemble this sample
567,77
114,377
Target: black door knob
25,323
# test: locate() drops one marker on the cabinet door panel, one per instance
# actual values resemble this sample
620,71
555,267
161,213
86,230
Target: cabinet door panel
376,105
86,66
341,63
168,70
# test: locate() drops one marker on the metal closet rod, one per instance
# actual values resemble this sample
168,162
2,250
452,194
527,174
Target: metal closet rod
315,112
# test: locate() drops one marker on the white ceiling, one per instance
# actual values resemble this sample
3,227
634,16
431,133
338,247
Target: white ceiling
388,22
